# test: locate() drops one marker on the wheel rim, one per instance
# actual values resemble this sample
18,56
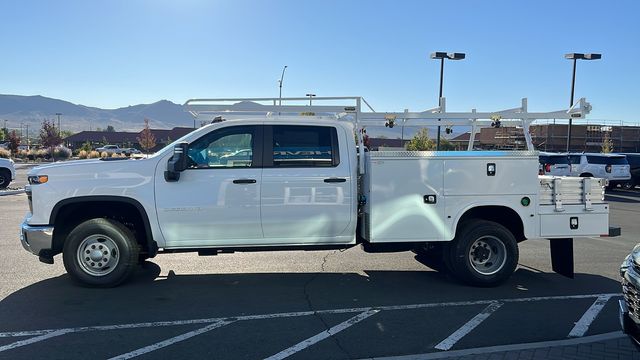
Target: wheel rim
2,180
98,255
487,255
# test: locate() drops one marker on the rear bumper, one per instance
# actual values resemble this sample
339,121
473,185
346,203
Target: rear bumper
37,240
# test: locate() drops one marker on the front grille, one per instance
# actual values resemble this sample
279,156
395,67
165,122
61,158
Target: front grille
632,298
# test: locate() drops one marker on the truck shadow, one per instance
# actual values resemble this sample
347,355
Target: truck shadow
59,303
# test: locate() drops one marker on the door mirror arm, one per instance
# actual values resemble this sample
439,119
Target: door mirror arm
177,163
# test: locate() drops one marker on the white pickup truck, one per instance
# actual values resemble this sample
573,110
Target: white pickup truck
283,181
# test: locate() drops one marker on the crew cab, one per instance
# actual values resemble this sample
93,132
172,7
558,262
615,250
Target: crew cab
7,173
292,181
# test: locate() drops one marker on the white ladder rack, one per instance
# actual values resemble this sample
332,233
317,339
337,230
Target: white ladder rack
350,108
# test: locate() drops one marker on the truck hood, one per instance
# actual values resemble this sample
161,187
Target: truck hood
84,166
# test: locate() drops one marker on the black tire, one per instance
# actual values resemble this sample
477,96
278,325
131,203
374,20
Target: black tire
586,175
628,185
84,248
5,178
483,253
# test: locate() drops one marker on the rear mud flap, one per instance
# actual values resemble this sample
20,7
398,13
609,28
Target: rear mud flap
562,256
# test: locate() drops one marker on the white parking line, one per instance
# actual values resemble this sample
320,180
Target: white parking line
587,318
296,314
452,339
33,340
171,341
321,336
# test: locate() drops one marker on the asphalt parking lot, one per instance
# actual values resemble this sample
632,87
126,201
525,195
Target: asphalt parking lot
306,305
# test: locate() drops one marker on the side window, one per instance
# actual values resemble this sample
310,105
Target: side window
574,159
230,147
305,146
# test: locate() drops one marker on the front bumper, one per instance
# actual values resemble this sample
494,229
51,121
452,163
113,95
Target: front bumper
38,240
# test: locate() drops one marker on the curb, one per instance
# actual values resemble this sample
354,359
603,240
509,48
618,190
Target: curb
11,192
505,348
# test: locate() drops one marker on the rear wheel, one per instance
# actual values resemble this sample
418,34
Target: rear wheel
484,253
100,253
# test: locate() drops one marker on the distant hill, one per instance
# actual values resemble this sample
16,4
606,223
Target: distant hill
32,110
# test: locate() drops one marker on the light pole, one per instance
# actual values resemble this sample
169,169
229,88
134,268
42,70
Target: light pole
310,97
574,57
442,56
280,85
58,114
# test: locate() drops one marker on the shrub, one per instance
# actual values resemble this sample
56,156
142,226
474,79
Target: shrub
94,154
5,154
61,152
82,154
104,154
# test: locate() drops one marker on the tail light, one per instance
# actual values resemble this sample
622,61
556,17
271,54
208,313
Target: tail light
607,168
547,167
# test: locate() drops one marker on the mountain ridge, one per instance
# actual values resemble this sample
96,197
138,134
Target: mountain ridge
20,110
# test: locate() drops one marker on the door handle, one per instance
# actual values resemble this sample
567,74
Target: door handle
335,180
244,181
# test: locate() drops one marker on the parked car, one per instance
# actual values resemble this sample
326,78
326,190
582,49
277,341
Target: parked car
613,167
131,151
629,307
554,164
110,149
634,166
7,172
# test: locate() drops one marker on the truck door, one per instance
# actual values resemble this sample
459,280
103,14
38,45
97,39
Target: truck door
217,199
306,185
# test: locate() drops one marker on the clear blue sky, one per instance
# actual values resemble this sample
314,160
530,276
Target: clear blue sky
117,53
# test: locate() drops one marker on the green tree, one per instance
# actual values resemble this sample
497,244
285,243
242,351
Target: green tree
146,139
2,135
421,141
110,129
66,133
86,146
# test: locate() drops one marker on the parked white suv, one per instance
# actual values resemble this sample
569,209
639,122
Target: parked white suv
7,172
613,167
554,164
110,149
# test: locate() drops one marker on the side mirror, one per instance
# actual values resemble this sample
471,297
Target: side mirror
177,163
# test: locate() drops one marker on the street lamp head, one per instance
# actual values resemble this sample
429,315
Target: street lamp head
310,95
579,56
446,55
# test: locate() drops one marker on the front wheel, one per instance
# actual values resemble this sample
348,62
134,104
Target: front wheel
100,253
5,178
484,253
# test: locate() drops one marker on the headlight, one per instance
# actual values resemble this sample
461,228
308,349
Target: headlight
38,179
